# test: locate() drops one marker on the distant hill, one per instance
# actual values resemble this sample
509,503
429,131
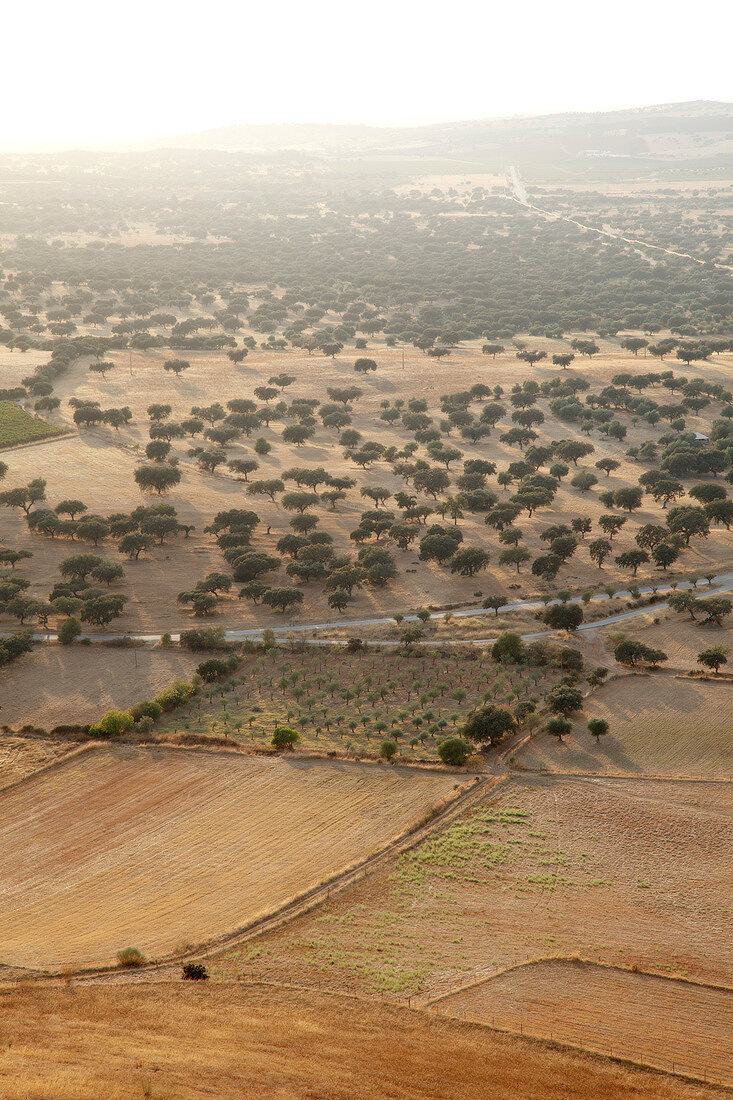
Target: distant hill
677,130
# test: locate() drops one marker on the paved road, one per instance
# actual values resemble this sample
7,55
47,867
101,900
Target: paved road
721,584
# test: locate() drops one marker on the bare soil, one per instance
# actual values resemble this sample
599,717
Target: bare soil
619,872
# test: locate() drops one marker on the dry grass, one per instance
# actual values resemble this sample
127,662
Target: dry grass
103,462
644,1018
180,1042
621,872
126,847
20,756
659,725
56,685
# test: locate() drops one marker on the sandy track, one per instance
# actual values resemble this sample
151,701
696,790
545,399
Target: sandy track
645,1018
161,848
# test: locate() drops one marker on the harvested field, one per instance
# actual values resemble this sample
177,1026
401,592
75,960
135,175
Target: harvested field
659,725
161,848
645,1018
62,685
219,1040
620,872
21,756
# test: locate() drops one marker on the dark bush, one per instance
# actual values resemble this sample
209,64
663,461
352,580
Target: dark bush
194,972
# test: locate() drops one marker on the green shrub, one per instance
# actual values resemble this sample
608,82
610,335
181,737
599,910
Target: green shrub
216,667
69,630
114,723
387,750
210,638
454,751
284,738
178,692
130,957
146,708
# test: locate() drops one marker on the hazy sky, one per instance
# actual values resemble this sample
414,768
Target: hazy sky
86,71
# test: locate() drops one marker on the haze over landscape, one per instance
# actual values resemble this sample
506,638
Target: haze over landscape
366,570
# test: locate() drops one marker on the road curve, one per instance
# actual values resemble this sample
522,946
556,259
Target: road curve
720,585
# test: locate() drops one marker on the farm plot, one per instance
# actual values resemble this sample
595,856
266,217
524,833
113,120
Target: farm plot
65,685
642,1017
161,848
620,872
350,702
18,426
20,756
658,725
166,1040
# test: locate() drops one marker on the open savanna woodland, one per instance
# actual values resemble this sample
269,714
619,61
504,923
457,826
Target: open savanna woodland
366,589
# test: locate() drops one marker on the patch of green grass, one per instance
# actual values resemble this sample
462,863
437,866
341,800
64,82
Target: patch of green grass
19,426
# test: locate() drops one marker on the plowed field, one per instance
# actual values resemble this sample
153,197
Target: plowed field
159,848
651,1019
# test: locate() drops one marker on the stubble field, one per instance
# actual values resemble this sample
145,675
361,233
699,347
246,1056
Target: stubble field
678,1025
229,1041
160,848
659,725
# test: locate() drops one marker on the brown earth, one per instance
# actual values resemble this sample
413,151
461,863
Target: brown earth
230,1041
158,848
620,872
645,1018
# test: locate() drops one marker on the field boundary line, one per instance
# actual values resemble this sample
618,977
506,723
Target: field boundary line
697,1077
474,791
574,960
617,777
52,765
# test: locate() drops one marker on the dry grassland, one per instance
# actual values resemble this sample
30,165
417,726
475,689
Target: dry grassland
184,1042
56,685
637,1016
20,756
659,725
619,872
680,639
158,848
99,466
